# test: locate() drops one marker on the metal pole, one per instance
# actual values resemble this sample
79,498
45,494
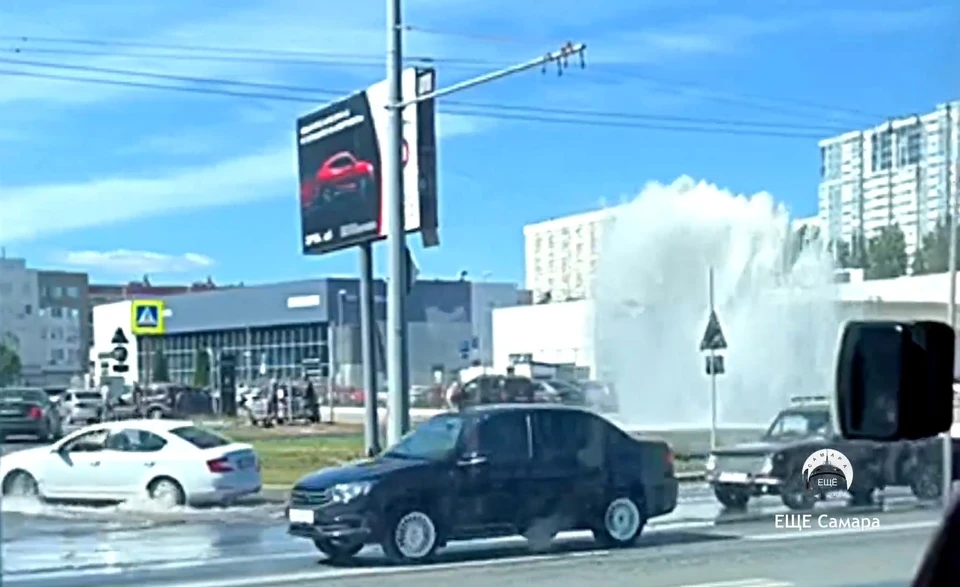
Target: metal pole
947,474
713,377
368,322
396,239
335,370
332,341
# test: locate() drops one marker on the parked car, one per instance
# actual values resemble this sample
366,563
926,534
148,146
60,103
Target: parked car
171,462
28,411
487,471
80,406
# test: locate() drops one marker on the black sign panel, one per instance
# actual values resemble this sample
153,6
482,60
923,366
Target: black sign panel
340,150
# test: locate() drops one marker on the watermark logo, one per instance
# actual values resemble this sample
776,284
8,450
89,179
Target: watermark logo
827,471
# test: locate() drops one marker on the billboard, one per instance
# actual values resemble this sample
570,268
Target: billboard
339,155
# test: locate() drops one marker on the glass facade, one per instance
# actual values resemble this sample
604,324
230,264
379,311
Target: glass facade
281,350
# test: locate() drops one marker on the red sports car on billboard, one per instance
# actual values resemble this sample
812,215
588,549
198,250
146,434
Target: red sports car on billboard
342,172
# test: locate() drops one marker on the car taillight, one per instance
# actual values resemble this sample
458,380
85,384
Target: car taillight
35,413
668,458
221,465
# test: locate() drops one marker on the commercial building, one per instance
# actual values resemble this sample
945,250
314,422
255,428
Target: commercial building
272,330
560,255
41,317
896,172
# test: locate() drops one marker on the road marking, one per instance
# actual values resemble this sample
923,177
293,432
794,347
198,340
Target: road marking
744,583
799,534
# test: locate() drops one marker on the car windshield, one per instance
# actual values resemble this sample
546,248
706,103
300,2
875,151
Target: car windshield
799,424
200,437
434,439
86,395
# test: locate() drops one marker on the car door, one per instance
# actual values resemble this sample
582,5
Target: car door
493,471
129,457
73,471
568,467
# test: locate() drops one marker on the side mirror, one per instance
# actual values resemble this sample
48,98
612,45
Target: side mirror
894,380
471,461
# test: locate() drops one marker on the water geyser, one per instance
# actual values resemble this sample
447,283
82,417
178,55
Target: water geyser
774,297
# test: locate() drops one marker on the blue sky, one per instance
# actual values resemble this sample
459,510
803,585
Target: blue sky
123,181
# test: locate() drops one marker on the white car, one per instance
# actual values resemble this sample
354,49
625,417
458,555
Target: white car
173,462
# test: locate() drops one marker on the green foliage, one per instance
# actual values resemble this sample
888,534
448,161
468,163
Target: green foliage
887,254
935,249
201,369
10,366
161,372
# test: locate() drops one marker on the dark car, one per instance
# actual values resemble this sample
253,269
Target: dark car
774,465
26,411
489,471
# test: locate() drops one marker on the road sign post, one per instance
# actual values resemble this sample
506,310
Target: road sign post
713,341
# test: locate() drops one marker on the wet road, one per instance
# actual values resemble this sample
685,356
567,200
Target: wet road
56,545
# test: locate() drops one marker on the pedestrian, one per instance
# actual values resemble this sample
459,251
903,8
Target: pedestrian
312,404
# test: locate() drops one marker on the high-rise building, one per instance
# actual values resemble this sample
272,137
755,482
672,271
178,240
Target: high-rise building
561,255
897,172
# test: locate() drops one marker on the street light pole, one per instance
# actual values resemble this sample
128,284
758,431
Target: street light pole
335,353
947,473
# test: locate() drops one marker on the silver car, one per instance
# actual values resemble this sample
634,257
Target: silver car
81,407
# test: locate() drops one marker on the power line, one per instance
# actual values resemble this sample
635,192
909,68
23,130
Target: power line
616,120
149,86
644,117
331,59
172,77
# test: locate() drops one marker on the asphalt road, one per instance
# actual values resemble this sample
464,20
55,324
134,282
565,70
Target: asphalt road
745,554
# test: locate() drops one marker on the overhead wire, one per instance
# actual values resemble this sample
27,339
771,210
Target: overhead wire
528,114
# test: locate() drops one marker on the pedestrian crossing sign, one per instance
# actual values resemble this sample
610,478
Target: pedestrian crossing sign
147,317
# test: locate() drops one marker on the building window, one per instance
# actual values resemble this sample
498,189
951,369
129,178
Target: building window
881,144
57,291
831,159
909,145
73,292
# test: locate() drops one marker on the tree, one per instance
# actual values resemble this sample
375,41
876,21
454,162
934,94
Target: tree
935,248
161,372
840,249
887,254
201,369
10,366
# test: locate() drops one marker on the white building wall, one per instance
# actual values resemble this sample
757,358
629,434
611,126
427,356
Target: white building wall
106,319
896,172
551,333
560,255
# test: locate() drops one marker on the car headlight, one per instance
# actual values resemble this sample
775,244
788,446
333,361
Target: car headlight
347,492
767,467
711,462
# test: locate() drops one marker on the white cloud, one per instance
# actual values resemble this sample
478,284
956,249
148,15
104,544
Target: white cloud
35,211
136,262
451,125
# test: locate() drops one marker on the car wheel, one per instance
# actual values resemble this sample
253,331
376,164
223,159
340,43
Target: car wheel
411,537
733,498
326,196
166,492
338,550
927,482
795,495
155,414
622,523
21,484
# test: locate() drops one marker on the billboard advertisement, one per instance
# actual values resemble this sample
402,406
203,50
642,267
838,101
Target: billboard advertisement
339,153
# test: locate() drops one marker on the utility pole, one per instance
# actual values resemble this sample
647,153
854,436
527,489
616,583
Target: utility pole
952,302
398,398
398,402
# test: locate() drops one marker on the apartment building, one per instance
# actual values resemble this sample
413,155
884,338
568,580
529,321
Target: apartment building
40,317
561,254
896,172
